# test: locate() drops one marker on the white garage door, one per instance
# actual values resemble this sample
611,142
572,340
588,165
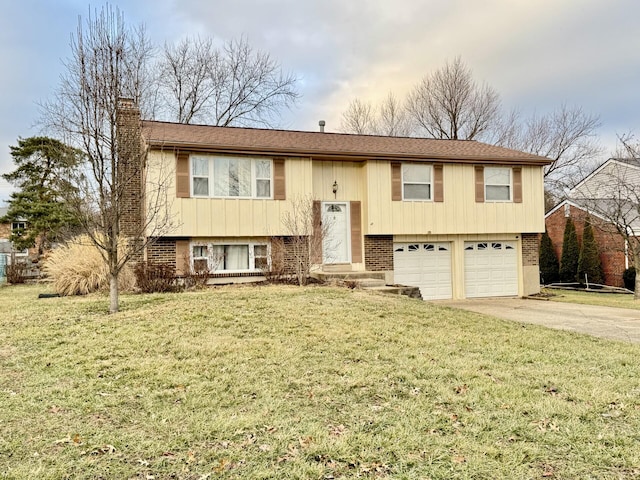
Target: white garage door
424,265
490,269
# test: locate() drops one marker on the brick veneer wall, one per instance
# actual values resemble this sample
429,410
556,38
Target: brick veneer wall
5,231
163,250
530,249
378,252
610,244
283,257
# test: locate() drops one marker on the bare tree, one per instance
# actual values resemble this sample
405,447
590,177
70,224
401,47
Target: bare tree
615,200
389,118
232,85
449,104
359,118
393,118
106,59
306,235
185,81
567,136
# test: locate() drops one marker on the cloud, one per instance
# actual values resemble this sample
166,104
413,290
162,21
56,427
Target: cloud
536,54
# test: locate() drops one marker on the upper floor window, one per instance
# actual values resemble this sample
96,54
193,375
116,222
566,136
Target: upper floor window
417,181
497,184
240,177
18,225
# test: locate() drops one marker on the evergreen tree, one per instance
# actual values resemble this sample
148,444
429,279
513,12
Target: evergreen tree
589,260
570,253
548,260
42,165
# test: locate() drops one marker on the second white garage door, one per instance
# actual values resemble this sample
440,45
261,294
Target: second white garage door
424,265
490,269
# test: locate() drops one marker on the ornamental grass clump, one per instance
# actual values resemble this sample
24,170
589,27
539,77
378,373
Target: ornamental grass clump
77,268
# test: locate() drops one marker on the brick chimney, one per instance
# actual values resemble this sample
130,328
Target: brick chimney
131,164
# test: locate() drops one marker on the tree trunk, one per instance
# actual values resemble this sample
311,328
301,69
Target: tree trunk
114,299
636,290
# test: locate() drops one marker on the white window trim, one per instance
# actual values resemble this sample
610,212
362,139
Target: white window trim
252,259
510,185
430,183
211,180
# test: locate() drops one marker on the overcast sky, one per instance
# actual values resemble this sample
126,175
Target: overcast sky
536,54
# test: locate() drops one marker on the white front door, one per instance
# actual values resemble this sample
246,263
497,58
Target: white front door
336,238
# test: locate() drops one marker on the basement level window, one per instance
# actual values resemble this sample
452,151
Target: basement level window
231,258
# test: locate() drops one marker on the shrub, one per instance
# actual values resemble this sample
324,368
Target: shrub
548,260
570,253
589,263
629,278
77,268
155,277
17,271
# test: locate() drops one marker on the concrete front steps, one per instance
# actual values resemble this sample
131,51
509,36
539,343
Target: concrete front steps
373,281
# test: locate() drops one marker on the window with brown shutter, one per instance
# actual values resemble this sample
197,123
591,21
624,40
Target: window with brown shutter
438,183
182,175
182,257
279,189
396,181
356,232
479,183
517,184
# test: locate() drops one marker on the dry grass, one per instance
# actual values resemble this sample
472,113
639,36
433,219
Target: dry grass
309,383
77,268
595,298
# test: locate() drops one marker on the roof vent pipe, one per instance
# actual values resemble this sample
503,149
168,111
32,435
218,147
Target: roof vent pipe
322,124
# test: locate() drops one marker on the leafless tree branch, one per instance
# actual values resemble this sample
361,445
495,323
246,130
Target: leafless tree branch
107,64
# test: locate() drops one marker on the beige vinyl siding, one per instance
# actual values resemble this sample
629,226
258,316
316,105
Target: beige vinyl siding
352,186
349,176
221,217
459,213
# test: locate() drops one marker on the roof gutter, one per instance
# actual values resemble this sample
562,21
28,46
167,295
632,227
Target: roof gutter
341,155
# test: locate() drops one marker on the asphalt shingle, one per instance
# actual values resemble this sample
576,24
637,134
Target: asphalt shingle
327,145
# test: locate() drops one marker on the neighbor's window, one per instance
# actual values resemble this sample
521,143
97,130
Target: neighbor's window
239,258
416,181
497,184
18,225
231,176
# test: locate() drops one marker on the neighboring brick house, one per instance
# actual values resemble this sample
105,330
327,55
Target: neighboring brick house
611,246
6,246
592,195
456,218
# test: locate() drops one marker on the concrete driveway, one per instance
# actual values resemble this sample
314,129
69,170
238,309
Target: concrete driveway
607,322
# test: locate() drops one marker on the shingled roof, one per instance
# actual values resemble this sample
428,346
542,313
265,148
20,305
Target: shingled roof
326,145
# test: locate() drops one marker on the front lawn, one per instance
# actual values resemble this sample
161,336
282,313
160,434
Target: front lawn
309,383
619,300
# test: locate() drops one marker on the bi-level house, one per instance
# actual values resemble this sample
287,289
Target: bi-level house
456,218
604,189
